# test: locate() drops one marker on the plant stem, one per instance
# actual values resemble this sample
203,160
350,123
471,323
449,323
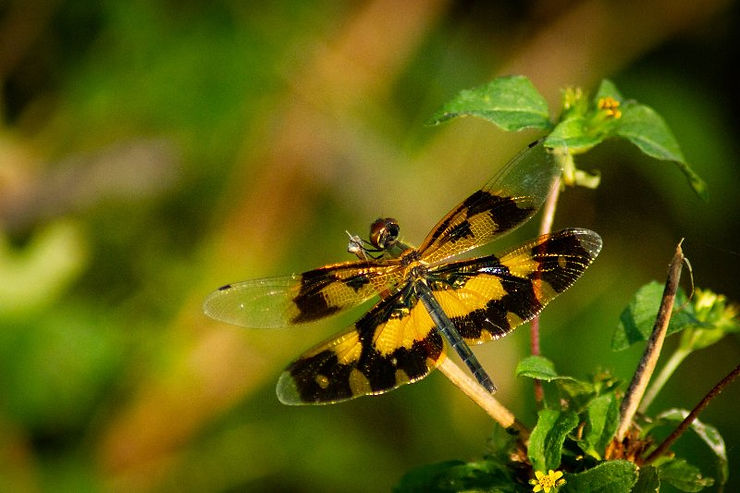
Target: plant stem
548,210
486,401
665,373
548,216
649,358
539,391
691,416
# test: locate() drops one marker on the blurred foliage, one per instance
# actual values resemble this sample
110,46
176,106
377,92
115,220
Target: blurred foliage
151,151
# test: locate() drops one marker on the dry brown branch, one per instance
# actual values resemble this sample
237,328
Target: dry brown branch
649,358
681,428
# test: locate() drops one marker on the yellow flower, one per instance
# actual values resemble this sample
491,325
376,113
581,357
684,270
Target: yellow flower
546,482
610,106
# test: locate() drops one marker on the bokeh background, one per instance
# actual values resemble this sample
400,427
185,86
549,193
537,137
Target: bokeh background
153,150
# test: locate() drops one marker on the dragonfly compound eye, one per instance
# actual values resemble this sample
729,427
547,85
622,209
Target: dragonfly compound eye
384,232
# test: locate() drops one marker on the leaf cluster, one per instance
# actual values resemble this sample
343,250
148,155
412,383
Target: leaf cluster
575,429
513,103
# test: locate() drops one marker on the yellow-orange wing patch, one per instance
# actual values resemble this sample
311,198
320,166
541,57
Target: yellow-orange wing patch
487,297
393,344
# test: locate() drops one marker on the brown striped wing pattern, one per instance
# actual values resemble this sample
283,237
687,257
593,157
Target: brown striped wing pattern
508,200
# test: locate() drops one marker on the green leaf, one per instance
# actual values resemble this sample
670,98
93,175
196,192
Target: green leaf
695,181
637,320
511,102
708,433
683,476
538,367
573,134
546,441
580,393
577,388
615,476
645,128
456,475
602,419
577,392
648,480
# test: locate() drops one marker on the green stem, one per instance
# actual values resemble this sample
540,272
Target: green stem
665,373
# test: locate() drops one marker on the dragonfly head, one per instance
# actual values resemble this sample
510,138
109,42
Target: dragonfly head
384,233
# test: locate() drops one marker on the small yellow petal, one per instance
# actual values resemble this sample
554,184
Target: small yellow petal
547,482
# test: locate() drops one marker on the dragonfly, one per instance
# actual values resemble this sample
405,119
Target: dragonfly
429,300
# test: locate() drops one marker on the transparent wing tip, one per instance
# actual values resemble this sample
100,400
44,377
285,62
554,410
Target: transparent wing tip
287,391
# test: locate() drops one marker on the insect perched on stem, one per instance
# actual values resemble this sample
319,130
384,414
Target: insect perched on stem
427,301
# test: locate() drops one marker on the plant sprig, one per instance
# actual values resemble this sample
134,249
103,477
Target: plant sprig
513,103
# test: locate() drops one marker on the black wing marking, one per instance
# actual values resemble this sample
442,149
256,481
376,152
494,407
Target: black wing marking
487,297
281,301
508,200
393,344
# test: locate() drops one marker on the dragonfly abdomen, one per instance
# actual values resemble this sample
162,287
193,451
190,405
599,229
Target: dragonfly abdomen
448,330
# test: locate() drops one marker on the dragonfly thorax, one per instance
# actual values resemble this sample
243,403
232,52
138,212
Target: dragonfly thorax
413,267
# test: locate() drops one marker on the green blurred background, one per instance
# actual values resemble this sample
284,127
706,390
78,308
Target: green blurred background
153,150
